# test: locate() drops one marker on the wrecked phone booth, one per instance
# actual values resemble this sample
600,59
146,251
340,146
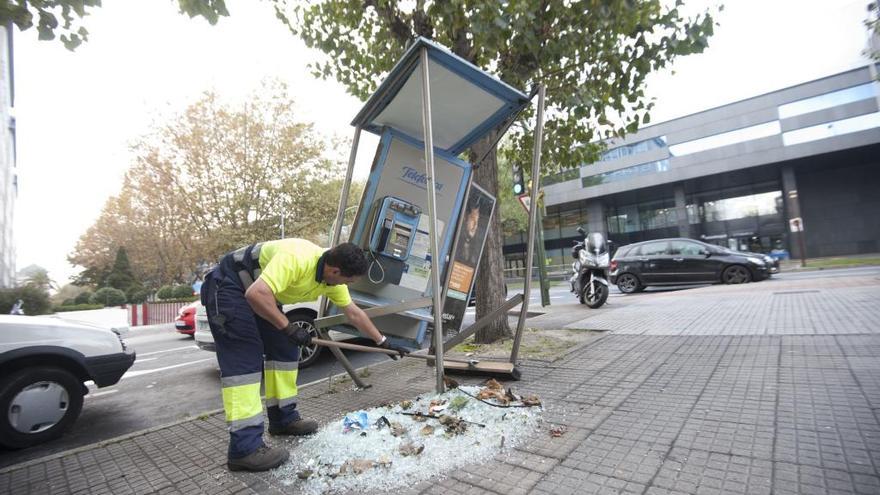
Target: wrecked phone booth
393,228
412,218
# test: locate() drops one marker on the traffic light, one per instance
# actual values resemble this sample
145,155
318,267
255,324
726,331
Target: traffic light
518,185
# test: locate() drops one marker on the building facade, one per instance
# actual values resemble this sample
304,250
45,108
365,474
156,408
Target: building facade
8,175
752,175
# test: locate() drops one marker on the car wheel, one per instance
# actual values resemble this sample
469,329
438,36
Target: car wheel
629,283
736,274
37,405
310,353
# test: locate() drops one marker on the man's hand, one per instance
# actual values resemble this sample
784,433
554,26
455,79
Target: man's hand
297,334
386,344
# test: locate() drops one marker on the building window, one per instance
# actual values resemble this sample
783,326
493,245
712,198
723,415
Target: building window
643,216
755,205
569,221
831,129
564,176
626,173
551,226
633,149
726,138
827,100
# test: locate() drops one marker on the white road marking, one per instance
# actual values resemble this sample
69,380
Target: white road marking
167,350
99,394
147,372
140,360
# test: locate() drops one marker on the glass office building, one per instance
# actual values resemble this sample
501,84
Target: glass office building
738,176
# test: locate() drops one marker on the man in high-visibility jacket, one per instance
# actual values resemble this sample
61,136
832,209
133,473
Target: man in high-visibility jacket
243,296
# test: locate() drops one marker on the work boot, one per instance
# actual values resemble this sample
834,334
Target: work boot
262,459
299,427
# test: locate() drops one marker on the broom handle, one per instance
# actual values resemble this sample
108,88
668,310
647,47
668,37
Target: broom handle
380,350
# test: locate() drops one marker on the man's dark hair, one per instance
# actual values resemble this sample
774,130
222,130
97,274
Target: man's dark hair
349,258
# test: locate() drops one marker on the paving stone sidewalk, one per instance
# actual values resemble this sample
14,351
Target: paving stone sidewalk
768,388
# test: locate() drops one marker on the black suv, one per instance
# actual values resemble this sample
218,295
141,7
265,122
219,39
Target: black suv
682,261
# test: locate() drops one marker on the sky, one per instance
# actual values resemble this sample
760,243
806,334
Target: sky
78,112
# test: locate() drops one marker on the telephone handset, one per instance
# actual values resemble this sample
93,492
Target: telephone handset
393,228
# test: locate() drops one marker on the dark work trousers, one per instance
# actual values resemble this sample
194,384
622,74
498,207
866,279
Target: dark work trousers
242,339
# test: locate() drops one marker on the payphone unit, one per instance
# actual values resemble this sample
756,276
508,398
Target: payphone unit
394,228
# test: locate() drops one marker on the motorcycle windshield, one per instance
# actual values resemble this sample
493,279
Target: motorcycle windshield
596,243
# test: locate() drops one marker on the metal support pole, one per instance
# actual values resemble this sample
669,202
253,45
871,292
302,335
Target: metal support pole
340,212
542,258
436,294
533,220
346,187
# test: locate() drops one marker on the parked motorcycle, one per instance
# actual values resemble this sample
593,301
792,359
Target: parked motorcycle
590,279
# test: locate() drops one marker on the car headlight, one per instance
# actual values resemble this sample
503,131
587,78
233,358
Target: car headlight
756,261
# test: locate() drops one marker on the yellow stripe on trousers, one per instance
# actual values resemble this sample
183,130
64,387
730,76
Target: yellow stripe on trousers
241,400
280,380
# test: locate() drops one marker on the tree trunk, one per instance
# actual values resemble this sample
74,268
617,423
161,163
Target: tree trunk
490,278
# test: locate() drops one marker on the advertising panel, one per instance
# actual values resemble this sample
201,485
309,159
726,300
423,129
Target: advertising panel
465,260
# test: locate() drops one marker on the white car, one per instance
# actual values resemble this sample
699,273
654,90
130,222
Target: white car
302,314
44,364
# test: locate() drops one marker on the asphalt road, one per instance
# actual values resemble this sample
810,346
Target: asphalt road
173,380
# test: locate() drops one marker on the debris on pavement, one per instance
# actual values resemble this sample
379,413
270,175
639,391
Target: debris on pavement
357,421
457,403
557,431
396,449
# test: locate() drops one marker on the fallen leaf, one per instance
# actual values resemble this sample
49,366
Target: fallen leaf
458,403
409,449
493,384
356,466
498,395
531,400
427,430
305,474
437,409
557,431
454,426
449,382
406,404
384,461
397,429
419,417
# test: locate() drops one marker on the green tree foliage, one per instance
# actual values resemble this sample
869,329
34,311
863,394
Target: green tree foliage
165,292
593,57
217,177
873,25
108,296
83,297
120,276
67,291
35,301
37,276
181,291
137,295
64,16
